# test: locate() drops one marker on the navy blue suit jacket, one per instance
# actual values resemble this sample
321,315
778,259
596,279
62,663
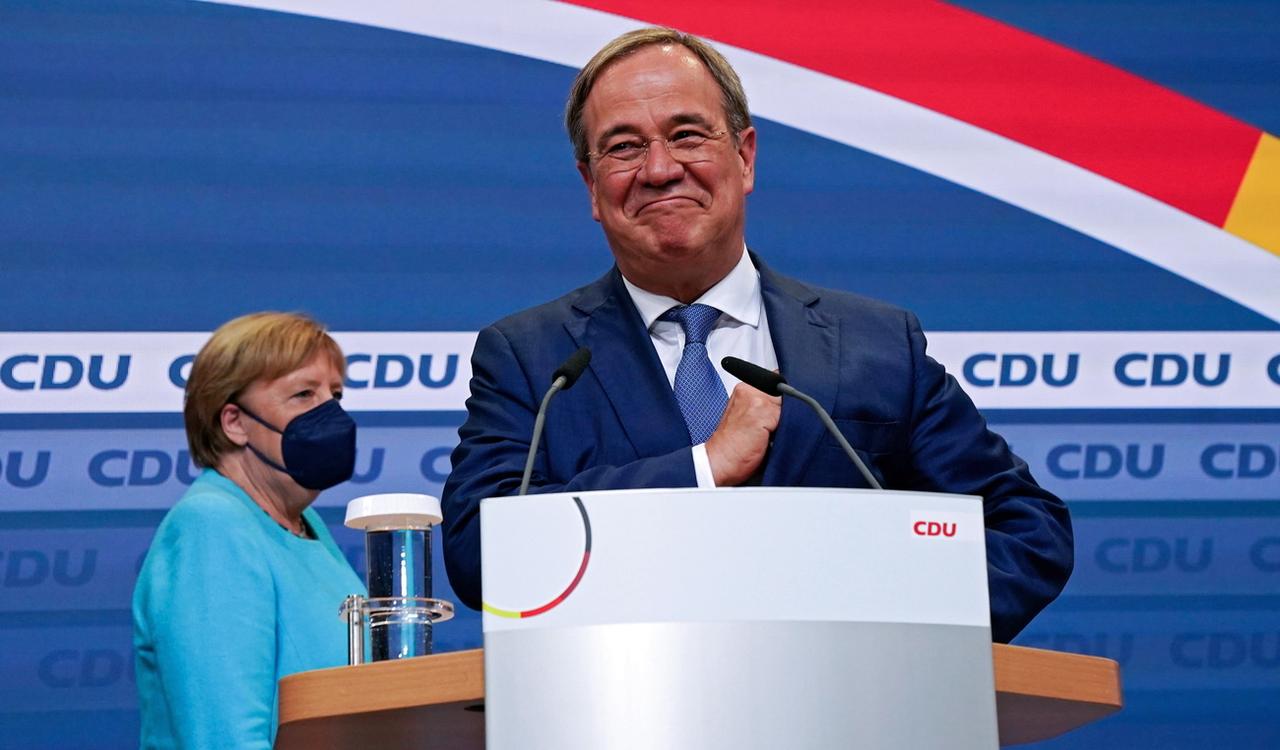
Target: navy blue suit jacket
619,426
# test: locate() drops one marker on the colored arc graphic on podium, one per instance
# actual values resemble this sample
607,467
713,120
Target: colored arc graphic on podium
577,578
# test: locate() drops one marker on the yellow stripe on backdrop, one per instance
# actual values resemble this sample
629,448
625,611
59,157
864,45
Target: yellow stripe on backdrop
1255,214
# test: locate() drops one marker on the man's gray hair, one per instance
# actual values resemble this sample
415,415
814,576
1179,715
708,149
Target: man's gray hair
732,96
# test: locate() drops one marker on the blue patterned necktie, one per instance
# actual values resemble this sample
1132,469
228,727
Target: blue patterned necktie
699,390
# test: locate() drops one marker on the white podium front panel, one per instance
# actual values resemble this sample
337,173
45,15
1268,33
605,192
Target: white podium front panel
731,618
734,554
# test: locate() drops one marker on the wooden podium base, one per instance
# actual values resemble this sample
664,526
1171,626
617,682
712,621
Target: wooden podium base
437,701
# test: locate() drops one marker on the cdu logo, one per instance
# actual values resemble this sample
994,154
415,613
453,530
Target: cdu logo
1118,646
941,525
374,470
369,370
1105,461
85,668
36,471
1264,554
1226,650
61,372
435,464
988,370
151,468
933,528
1240,460
1138,370
399,370
141,468
1154,555
26,568
180,370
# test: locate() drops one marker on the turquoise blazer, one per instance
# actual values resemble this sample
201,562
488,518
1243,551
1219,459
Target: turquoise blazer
228,602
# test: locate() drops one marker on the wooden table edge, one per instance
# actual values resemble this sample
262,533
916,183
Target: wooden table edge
458,676
453,677
1095,679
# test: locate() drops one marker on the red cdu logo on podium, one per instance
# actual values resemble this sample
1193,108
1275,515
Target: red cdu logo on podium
933,528
932,524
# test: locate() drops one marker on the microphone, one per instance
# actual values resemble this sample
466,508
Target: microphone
562,379
571,369
774,384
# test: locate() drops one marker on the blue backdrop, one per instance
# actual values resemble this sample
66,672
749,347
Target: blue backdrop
165,166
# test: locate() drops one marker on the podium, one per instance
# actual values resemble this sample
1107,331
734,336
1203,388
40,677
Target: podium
736,618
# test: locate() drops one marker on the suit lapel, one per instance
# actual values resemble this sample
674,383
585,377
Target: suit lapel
807,344
627,367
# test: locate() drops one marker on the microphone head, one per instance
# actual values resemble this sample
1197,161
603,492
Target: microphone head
754,375
571,369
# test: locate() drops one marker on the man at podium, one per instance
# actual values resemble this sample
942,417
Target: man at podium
664,143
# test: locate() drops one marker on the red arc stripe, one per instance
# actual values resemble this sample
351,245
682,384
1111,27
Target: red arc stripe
996,77
582,568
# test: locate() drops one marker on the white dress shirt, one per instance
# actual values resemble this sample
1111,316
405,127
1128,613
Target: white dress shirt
742,331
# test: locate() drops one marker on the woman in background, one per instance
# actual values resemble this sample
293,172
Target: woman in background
242,583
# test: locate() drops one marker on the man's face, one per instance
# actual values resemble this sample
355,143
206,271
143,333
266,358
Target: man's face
675,228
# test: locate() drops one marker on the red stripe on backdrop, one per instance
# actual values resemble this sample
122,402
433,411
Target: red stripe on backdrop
996,77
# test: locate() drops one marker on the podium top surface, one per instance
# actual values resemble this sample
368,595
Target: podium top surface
687,492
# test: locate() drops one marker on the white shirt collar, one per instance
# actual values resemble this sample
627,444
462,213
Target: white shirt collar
737,295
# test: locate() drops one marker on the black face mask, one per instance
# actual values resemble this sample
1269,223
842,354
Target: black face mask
318,446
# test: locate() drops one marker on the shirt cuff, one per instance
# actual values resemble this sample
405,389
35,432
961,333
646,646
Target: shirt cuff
702,467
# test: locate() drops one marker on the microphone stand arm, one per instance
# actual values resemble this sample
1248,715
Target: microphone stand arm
538,421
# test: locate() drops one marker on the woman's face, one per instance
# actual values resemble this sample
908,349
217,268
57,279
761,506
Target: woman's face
279,401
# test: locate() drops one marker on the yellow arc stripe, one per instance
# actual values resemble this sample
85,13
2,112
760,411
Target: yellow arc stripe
511,613
1255,213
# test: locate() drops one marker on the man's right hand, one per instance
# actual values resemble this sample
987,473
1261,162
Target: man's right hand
738,446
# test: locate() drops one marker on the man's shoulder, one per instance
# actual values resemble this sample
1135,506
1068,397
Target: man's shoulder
838,302
861,304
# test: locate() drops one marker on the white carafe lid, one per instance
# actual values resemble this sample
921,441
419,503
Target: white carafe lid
393,510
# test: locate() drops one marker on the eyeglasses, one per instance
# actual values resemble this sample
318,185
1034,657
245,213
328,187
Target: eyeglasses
629,152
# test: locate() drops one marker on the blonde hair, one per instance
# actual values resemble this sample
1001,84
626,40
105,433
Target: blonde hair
732,97
260,346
